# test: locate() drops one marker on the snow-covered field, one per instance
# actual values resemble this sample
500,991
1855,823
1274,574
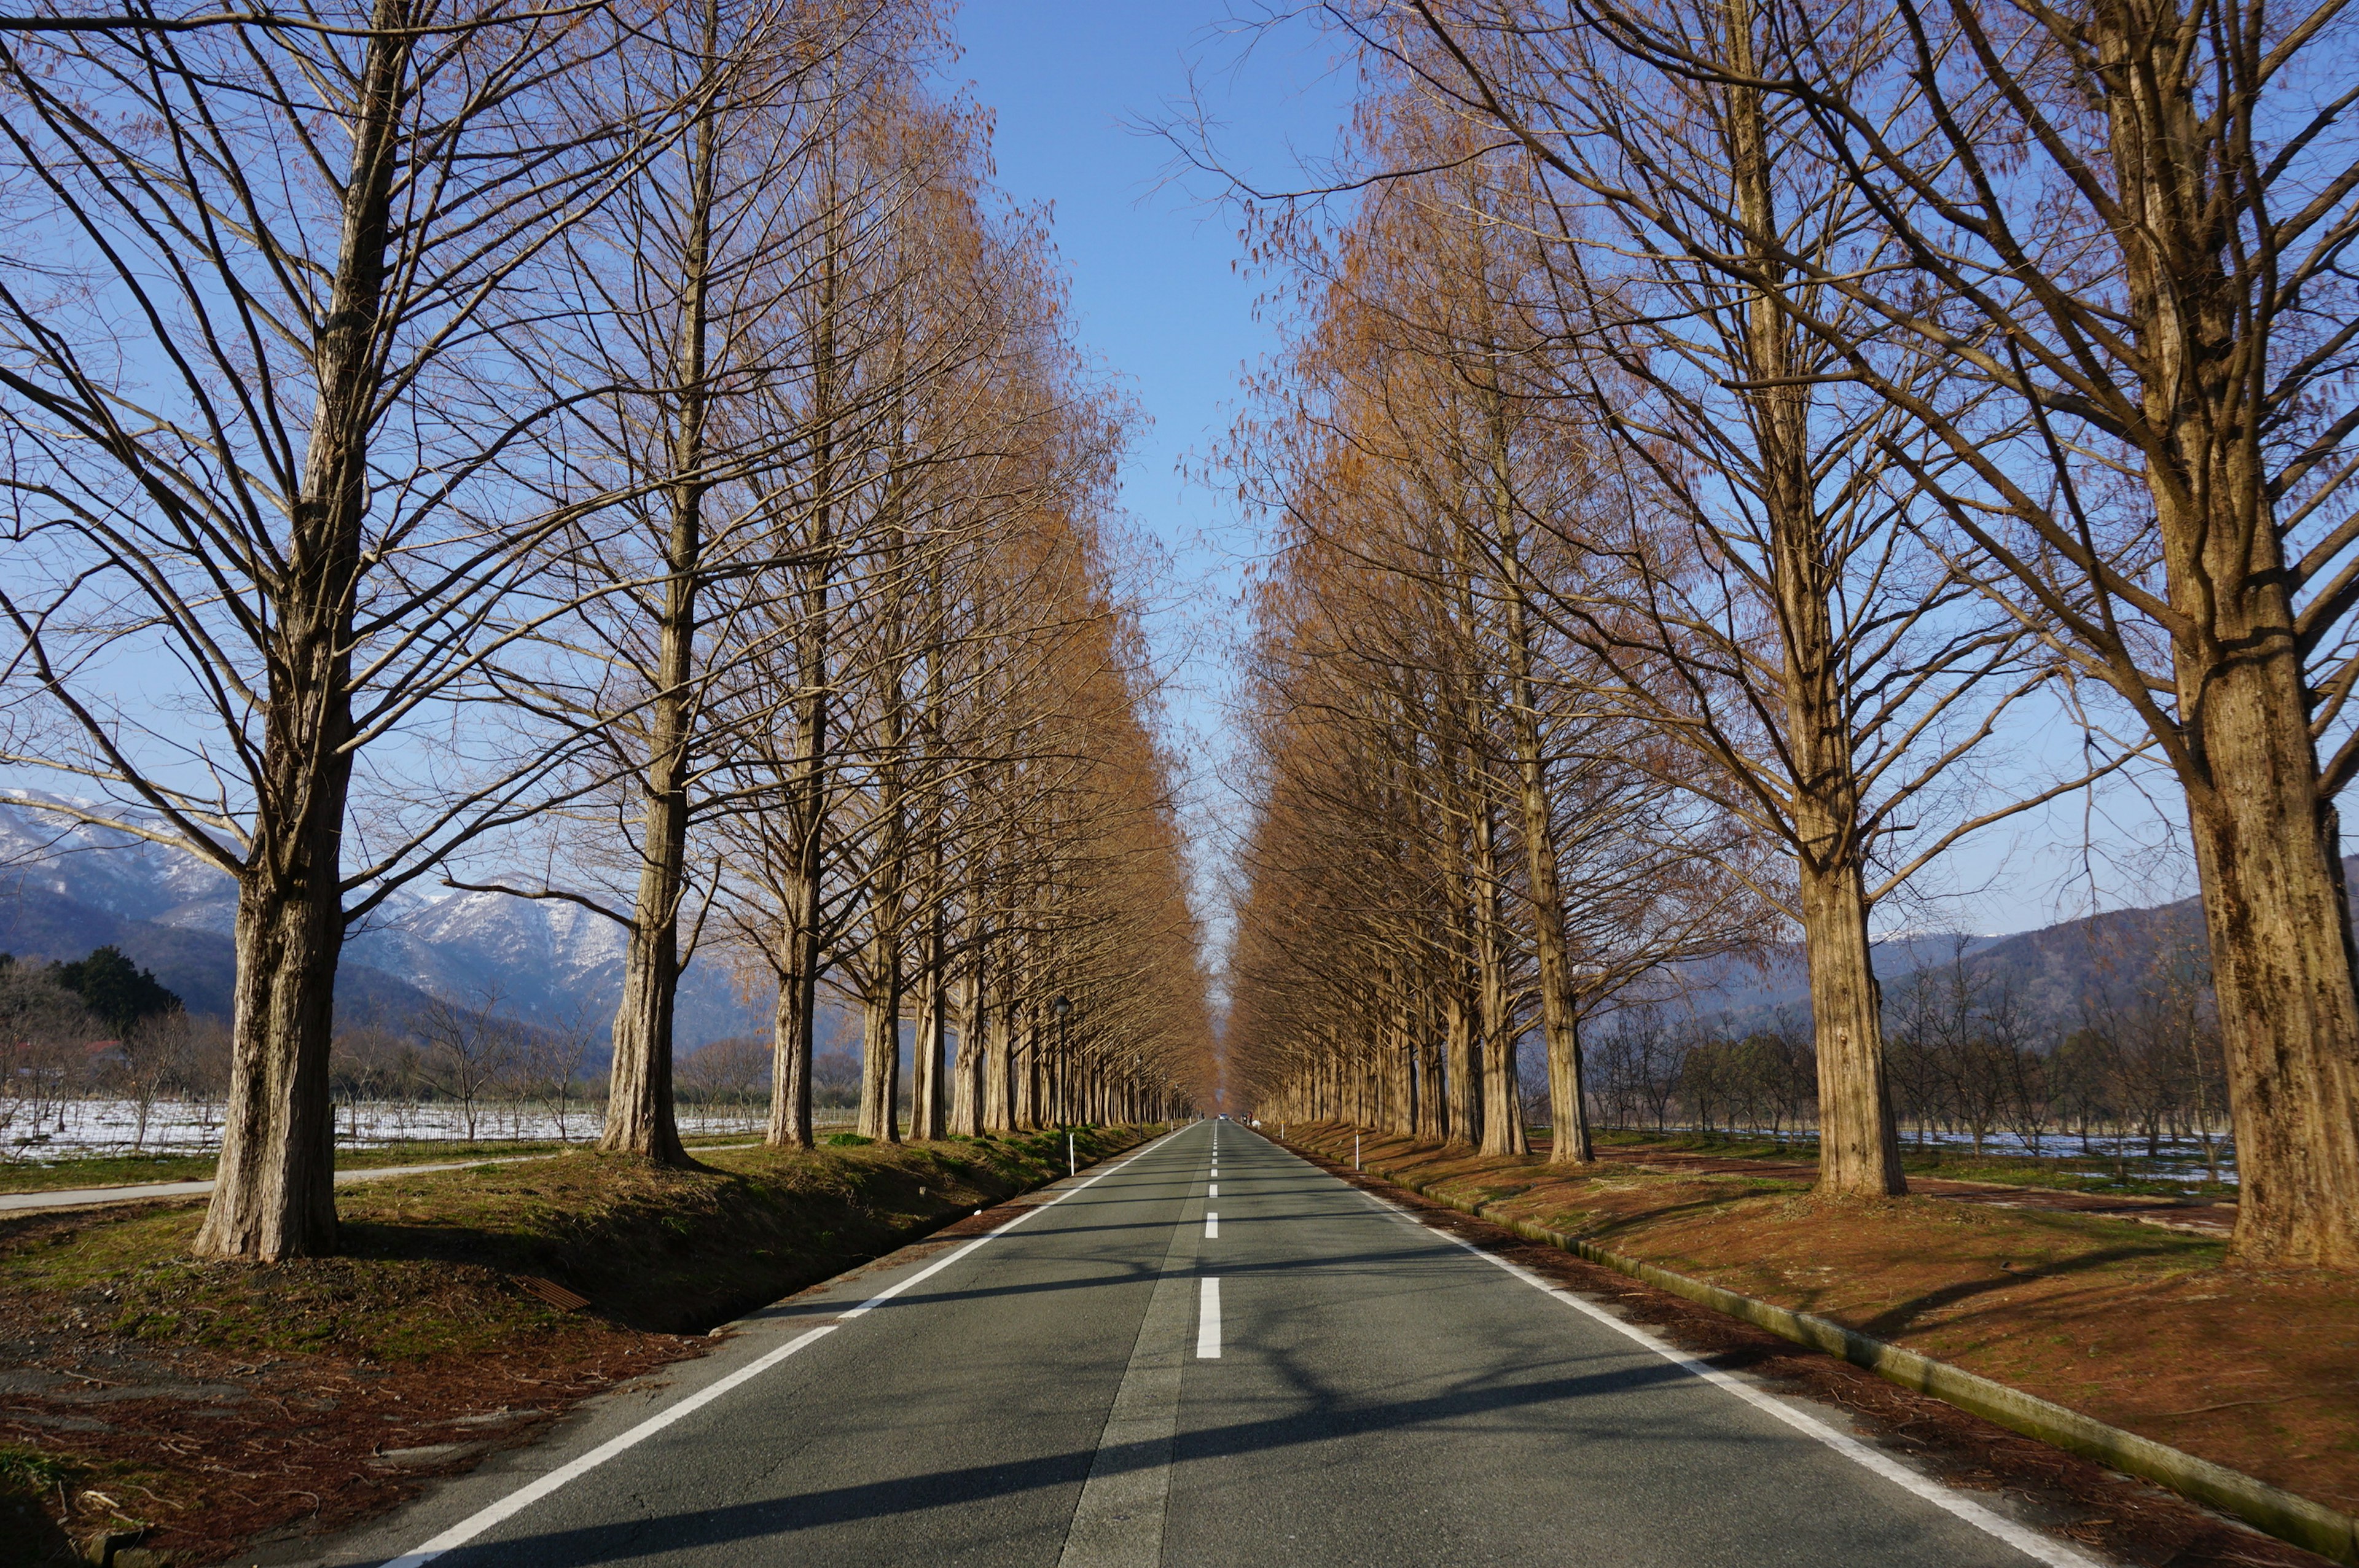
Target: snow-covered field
2184,1156
62,1129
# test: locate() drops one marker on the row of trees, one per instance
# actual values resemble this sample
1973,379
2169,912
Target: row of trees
1755,411
608,452
447,1069
1965,1057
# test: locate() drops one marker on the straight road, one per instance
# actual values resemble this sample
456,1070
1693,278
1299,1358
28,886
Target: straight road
1208,1353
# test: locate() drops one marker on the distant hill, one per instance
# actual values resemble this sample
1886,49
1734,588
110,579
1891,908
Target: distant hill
2053,971
65,889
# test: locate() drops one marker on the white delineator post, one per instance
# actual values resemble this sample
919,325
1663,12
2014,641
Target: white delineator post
1072,1166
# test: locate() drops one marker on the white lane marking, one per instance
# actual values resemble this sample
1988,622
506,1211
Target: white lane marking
1212,1226
516,1502
1119,1521
2032,1544
1207,1320
1214,1191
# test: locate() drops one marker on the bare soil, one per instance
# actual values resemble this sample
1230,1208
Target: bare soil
192,1407
2146,1327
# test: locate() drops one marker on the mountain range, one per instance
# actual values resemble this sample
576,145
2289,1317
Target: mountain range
67,888
2055,975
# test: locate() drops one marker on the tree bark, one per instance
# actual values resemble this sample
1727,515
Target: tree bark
274,1191
1859,1147
1560,1018
791,1063
1503,1107
880,1041
640,1116
2281,967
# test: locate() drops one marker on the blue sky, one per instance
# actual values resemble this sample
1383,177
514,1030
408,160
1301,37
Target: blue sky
1158,296
1156,292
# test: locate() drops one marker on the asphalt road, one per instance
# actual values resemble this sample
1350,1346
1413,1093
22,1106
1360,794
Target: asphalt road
1187,1361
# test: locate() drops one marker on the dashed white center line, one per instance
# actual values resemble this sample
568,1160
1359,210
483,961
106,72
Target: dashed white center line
1207,1320
1212,1227
1214,1191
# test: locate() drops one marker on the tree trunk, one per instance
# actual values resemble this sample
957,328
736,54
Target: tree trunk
1859,1144
926,1069
795,1028
2267,845
2281,969
1858,1141
640,1111
968,1091
275,1191
1560,1018
1503,1109
999,1066
880,1043
791,1029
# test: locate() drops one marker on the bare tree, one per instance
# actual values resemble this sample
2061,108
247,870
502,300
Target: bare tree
2117,236
468,1051
237,450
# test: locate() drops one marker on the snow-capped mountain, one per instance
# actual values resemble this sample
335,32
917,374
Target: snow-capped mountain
67,888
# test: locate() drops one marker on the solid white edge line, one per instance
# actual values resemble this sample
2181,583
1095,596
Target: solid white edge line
523,1497
1207,1319
2038,1547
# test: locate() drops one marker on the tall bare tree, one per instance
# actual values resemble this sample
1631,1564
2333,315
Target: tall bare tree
253,544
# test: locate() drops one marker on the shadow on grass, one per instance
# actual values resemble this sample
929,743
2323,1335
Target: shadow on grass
677,1251
1901,1316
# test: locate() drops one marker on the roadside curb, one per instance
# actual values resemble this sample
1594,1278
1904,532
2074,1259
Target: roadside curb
2290,1516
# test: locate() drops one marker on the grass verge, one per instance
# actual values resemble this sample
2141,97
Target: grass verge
2148,1329
187,1408
75,1171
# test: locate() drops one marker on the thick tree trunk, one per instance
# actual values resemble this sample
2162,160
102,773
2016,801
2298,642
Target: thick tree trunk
274,1195
2201,301
641,1117
639,1113
967,1087
2281,970
1503,1109
793,1024
791,1063
925,1085
880,1044
1859,1144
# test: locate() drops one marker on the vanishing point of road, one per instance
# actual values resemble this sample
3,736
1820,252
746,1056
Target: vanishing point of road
1207,1353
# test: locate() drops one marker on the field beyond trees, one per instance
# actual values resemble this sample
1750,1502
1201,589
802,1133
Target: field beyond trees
190,1406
